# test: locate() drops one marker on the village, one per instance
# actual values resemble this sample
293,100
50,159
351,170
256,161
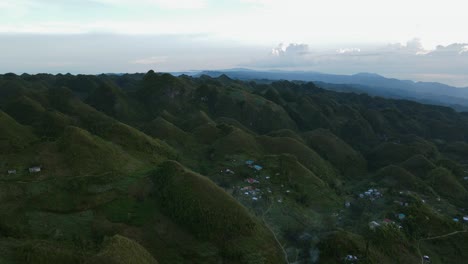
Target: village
32,170
257,186
256,190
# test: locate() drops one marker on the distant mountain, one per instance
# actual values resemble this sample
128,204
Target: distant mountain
370,83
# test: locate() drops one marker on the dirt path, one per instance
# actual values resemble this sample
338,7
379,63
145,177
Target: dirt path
436,237
274,234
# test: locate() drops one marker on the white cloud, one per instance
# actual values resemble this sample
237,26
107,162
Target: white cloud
293,49
464,49
409,60
348,50
169,4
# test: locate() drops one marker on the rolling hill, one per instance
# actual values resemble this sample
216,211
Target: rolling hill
153,168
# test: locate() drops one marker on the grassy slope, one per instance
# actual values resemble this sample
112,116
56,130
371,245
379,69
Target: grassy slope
85,154
341,155
304,155
209,213
121,250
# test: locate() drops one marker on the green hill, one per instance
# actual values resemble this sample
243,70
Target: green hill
291,171
443,181
85,154
304,155
14,136
399,178
121,250
418,165
341,155
210,213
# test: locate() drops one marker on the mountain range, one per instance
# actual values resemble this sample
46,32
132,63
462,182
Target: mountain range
154,168
370,83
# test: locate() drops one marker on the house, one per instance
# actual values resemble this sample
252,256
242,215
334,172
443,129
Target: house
387,221
426,259
249,162
11,171
347,204
247,188
255,198
258,167
401,216
251,180
465,218
456,220
373,225
35,169
229,171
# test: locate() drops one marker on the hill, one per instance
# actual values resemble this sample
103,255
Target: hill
153,168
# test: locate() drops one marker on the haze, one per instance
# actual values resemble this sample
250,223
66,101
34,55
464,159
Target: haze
394,38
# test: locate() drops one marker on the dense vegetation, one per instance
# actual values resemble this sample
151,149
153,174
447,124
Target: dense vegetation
152,168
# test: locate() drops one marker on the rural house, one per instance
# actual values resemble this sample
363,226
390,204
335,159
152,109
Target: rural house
35,169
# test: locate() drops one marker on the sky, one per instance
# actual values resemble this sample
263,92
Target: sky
418,40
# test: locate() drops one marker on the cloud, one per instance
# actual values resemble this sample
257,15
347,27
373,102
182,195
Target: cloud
410,60
150,61
168,4
348,50
292,49
464,49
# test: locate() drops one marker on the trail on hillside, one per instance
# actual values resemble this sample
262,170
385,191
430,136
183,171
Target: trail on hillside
436,237
274,234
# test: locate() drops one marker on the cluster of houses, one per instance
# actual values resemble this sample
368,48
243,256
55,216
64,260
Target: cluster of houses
371,194
253,192
374,224
351,259
34,169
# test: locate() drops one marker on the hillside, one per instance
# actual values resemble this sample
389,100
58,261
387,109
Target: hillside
153,168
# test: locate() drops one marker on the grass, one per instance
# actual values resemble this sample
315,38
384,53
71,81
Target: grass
121,250
399,179
309,158
447,185
235,142
196,203
85,154
61,227
13,136
129,210
349,162
418,165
